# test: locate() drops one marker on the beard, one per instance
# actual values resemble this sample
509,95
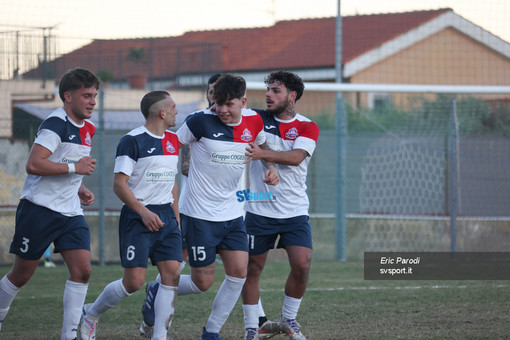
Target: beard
276,110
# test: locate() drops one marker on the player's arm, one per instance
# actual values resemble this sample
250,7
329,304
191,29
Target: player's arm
271,175
185,157
175,205
291,157
121,189
39,164
86,196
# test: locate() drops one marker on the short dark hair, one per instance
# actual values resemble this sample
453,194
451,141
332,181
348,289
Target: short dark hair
229,86
290,80
213,79
150,99
76,79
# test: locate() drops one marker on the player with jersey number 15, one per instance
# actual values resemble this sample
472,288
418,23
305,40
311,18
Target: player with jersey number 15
211,212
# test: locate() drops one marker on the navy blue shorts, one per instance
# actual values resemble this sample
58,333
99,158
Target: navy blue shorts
137,244
264,231
37,227
204,238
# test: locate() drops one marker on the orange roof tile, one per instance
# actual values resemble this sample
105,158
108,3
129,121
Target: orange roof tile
308,43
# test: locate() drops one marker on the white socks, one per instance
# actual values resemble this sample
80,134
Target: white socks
8,292
251,318
164,307
290,307
225,300
112,294
260,309
187,286
74,297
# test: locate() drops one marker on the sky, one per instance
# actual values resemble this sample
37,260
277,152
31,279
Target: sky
111,19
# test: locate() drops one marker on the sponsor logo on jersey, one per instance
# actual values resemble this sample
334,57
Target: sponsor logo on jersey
71,137
160,175
218,134
169,147
292,133
151,150
228,157
246,136
70,159
261,197
88,139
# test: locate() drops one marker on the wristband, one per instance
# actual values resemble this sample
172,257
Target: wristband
71,167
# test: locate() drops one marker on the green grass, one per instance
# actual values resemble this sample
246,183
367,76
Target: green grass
338,304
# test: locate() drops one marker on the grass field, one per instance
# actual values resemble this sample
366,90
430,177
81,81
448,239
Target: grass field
339,304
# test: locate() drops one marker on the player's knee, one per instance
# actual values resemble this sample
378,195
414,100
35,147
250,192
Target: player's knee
19,279
301,270
255,269
203,282
133,285
82,275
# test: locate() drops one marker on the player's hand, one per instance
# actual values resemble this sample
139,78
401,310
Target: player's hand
271,176
85,166
86,196
254,152
152,221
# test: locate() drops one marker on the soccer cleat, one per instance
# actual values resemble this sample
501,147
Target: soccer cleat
151,289
292,328
209,336
146,330
49,264
268,329
251,334
88,324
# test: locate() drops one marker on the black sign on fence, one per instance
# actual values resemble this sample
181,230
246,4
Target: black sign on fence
437,265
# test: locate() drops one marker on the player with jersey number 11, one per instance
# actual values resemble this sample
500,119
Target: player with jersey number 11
292,139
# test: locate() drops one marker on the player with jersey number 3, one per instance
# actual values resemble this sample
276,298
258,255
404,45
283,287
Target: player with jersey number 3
292,139
49,209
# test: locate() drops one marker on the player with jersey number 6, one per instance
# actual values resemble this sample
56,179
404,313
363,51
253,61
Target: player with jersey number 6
49,209
292,139
144,180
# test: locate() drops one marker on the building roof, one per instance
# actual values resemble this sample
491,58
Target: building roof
123,120
295,44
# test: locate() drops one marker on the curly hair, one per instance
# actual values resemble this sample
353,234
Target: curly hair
290,80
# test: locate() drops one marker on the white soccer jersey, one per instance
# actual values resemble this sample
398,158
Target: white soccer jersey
150,161
288,198
217,163
68,143
183,188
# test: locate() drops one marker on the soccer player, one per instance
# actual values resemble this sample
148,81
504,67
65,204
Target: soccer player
185,157
152,287
145,170
212,214
292,139
49,209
